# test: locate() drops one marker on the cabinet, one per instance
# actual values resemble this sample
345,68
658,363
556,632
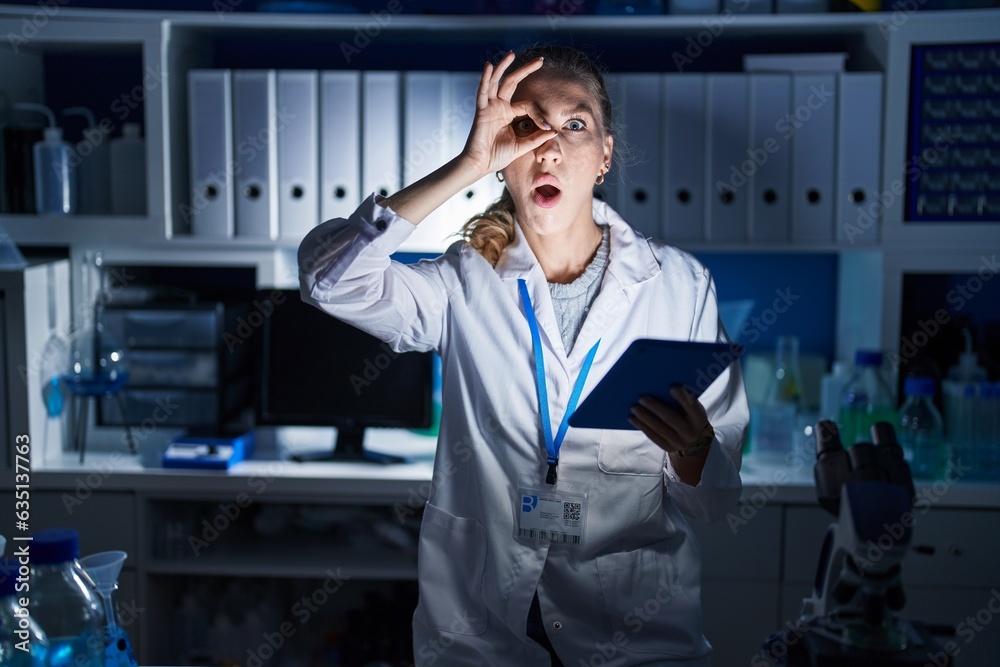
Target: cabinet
181,371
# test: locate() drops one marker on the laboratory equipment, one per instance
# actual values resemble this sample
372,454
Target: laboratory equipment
92,160
318,371
17,627
867,398
104,568
964,414
774,429
832,390
92,372
55,178
128,172
921,432
850,619
64,600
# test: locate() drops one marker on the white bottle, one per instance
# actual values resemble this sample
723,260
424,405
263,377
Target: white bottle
962,405
55,178
832,390
128,172
92,160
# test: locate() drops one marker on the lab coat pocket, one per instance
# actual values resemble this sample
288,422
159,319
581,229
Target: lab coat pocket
651,608
451,561
630,453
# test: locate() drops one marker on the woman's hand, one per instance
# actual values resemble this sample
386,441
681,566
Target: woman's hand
676,430
492,143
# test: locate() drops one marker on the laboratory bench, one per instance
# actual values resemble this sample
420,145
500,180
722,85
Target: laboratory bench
281,528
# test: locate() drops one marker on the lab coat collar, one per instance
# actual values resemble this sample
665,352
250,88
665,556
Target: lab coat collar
631,261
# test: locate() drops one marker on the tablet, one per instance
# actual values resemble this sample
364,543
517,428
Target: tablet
652,367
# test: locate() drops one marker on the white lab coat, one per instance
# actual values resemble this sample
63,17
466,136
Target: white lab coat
630,593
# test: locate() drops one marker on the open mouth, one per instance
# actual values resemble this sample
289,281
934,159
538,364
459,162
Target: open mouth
546,195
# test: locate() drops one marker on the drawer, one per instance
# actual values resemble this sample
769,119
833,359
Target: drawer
746,545
181,368
965,543
161,328
176,407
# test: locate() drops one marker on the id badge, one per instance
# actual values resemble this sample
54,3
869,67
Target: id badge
555,514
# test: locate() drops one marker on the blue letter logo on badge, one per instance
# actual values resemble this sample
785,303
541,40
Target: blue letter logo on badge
528,503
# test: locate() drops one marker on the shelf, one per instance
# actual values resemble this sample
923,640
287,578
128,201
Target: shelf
270,557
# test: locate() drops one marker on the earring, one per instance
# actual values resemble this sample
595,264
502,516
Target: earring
600,178
500,177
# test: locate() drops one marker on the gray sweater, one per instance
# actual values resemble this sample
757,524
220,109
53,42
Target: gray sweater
572,301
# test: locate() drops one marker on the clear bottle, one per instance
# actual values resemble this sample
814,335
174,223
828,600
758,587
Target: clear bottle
65,602
55,178
773,424
786,384
921,431
13,617
867,399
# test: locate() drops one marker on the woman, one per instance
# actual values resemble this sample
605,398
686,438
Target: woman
547,271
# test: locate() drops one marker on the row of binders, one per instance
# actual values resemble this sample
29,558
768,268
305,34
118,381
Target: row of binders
275,152
733,157
758,157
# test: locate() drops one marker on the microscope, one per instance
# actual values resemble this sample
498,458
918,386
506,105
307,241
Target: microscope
850,618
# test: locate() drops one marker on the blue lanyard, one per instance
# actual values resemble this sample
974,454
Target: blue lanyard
552,445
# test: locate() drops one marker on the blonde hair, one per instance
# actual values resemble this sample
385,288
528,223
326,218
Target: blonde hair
492,230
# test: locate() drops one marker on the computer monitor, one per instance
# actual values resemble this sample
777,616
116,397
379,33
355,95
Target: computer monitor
315,370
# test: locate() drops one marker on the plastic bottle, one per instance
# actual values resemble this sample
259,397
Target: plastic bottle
773,423
921,431
962,405
18,631
832,390
128,172
92,158
64,601
55,179
867,399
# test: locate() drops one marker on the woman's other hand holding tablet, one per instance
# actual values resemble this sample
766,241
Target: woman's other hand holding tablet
686,434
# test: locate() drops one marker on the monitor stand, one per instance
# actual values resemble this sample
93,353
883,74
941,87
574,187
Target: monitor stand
349,447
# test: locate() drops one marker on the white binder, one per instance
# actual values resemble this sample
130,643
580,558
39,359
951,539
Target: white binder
254,156
461,112
381,128
426,144
639,191
859,132
210,117
725,147
683,198
298,152
812,122
340,143
768,159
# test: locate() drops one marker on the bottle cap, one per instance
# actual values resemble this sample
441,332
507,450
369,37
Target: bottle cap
868,358
57,545
9,568
919,385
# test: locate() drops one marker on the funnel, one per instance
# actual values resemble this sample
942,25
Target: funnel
104,568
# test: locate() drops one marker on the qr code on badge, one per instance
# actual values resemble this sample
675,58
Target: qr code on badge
571,511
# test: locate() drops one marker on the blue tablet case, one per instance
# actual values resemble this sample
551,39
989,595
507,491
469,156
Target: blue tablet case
652,367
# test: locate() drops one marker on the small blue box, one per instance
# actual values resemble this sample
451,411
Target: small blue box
208,452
